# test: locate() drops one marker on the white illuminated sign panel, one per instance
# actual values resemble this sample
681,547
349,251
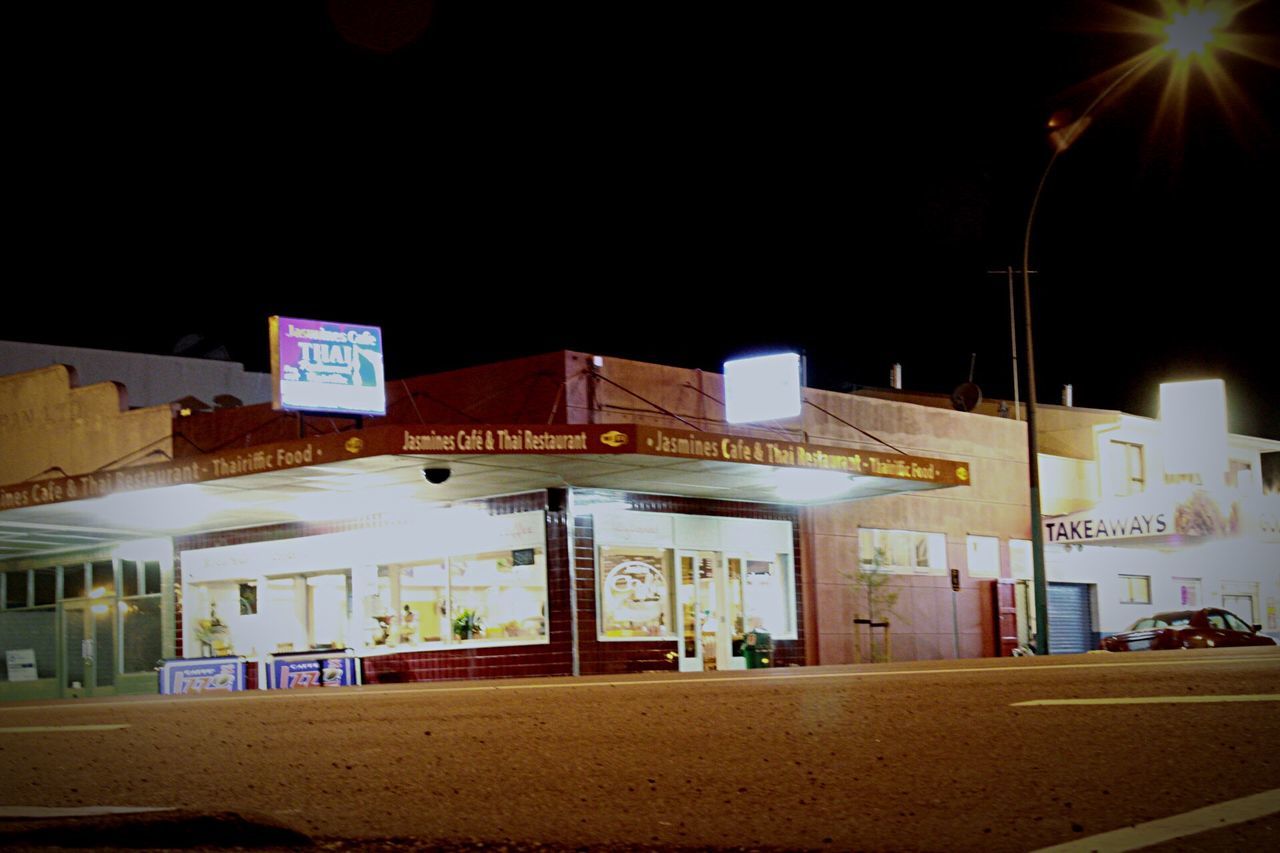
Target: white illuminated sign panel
327,367
762,388
1194,420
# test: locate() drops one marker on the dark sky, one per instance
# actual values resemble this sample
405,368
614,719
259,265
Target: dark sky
677,182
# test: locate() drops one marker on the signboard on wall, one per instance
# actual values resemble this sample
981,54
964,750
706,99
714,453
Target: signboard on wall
189,676
318,366
22,664
314,669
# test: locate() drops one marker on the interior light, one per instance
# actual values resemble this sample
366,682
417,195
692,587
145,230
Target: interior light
99,609
98,592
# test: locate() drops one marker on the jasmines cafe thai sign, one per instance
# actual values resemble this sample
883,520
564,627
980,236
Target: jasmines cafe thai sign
488,440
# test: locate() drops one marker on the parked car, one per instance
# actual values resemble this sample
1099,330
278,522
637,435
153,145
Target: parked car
1187,629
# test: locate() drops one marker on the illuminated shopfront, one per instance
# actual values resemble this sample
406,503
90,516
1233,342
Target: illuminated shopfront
444,579
568,535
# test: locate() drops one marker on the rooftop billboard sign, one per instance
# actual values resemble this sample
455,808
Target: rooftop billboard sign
326,367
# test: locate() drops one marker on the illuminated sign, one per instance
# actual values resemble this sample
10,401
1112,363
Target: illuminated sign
762,388
327,367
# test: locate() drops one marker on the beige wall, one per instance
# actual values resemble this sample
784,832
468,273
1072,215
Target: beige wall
995,504
49,428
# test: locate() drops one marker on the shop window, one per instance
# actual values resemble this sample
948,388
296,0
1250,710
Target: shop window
903,550
151,577
328,610
73,581
45,583
35,630
1020,561
635,592
421,610
498,596
140,639
15,589
1135,589
129,585
984,556
103,579
767,596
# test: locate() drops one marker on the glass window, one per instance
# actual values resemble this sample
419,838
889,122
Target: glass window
328,610
984,556
635,592
766,588
46,586
151,577
1216,621
500,595
104,579
1235,623
903,550
1128,470
140,641
1135,589
73,581
129,578
35,630
15,589
422,612
1020,562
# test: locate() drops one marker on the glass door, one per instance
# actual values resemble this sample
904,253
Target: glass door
710,611
89,647
687,613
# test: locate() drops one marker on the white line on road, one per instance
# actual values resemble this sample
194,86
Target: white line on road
1166,829
691,680
101,727
1152,700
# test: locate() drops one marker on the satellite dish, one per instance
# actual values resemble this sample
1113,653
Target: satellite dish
966,397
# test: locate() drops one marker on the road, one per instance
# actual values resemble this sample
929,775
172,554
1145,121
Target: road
919,756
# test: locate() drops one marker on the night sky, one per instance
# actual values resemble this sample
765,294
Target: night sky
676,182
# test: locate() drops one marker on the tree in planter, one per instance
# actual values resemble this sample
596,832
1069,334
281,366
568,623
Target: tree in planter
870,585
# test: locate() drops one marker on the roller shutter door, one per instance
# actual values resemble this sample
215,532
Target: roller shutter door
1070,618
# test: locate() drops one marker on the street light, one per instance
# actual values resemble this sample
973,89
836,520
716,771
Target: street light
1187,38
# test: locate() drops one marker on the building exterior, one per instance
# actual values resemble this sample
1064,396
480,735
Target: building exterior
1130,529
556,515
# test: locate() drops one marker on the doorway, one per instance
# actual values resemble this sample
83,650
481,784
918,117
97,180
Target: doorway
1240,605
711,611
89,647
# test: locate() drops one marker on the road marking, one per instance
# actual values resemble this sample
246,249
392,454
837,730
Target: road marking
1153,700
103,727
1166,829
42,812
1024,665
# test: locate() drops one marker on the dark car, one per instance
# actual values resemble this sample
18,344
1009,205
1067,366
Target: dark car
1187,629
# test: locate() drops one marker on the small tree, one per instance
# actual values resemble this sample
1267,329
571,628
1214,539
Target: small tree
870,583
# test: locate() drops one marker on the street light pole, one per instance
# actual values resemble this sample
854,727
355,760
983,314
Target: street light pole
1070,133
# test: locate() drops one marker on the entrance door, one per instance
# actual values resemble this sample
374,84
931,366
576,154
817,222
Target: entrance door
711,612
89,647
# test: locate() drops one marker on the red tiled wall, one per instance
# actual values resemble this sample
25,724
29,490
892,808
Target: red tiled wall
600,658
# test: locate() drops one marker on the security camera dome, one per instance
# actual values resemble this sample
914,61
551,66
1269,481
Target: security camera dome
436,476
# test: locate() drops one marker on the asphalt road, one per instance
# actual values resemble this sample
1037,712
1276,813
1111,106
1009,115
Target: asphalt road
922,756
